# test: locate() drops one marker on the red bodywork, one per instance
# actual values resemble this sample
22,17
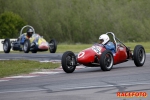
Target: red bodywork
43,46
89,55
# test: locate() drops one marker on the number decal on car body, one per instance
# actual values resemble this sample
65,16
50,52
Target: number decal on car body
81,54
97,49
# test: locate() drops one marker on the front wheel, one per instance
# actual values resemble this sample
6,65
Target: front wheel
26,46
52,46
68,61
34,51
33,47
106,60
139,55
6,45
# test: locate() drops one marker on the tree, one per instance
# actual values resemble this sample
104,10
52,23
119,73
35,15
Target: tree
10,25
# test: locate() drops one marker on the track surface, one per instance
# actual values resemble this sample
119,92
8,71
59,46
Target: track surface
84,84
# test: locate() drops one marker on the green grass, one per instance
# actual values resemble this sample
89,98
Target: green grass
16,67
72,47
146,45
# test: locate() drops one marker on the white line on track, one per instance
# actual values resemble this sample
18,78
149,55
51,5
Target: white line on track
20,77
4,59
77,67
34,74
76,88
45,73
23,91
3,80
53,61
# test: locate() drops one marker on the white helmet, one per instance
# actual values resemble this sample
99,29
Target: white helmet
105,38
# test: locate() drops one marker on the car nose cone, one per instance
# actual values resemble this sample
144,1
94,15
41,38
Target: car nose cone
43,46
86,56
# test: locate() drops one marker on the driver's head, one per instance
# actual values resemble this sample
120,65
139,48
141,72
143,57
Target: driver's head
104,38
29,32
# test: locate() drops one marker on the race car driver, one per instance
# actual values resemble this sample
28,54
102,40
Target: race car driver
29,33
26,35
105,40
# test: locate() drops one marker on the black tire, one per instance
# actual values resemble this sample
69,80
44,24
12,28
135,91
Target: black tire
6,45
26,46
52,46
68,61
34,51
139,55
106,60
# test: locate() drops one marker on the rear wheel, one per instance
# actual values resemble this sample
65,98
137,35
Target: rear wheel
52,46
106,60
6,45
139,55
26,46
68,61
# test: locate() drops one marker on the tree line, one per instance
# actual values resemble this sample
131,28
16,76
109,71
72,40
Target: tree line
80,21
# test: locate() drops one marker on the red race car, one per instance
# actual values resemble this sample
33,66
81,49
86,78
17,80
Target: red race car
98,55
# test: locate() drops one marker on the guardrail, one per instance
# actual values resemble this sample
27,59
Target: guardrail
1,45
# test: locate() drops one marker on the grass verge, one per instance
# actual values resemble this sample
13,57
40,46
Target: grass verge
16,67
146,45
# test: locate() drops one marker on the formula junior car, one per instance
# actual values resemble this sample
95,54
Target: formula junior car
97,55
33,44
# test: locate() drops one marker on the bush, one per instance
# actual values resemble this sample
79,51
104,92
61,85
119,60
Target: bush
10,25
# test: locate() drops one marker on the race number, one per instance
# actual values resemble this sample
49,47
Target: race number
97,49
81,54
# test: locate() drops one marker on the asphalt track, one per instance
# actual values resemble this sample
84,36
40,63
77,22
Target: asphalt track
85,83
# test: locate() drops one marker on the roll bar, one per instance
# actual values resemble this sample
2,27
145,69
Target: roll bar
115,38
25,27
